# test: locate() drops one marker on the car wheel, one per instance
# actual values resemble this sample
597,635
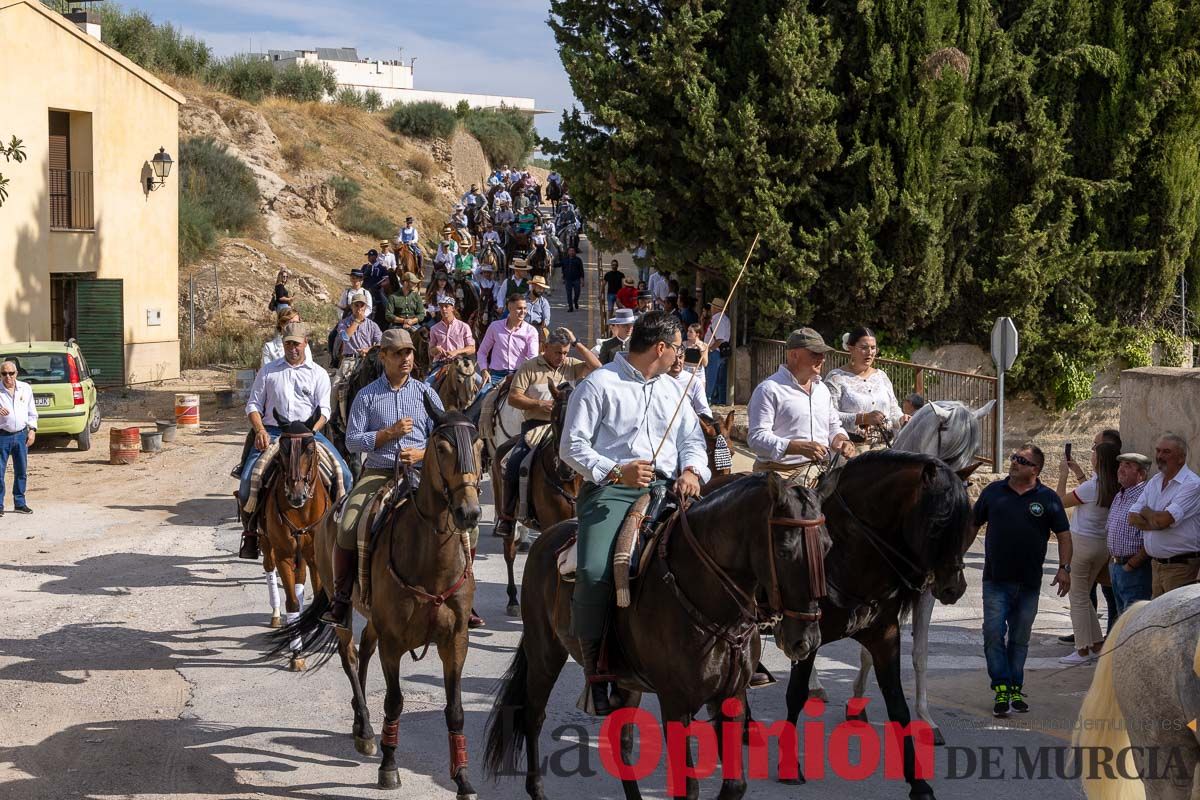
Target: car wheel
85,438
94,426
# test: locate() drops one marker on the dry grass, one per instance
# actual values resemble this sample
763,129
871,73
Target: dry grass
422,162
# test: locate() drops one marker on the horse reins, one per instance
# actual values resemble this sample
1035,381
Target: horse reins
881,546
310,487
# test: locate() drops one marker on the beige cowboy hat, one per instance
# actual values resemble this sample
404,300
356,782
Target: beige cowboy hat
519,264
629,282
539,281
718,304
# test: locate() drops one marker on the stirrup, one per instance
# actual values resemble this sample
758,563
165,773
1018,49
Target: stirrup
338,620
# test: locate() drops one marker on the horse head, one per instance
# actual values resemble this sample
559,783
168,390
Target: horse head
300,460
717,433
453,456
558,423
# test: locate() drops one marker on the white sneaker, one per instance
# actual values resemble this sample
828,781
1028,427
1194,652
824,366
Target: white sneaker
1074,658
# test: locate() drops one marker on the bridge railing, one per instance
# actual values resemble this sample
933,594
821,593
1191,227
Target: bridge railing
932,383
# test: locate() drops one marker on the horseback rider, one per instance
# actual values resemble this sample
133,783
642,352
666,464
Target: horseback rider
486,283
505,216
490,236
458,219
409,237
292,388
538,314
406,309
375,276
449,337
472,197
390,426
517,284
356,286
501,198
619,436
530,395
387,256
447,250
507,344
621,325
528,220
354,337
793,423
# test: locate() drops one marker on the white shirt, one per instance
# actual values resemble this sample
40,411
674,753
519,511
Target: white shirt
659,286
720,324
615,415
344,304
854,395
21,412
273,350
1090,519
1181,499
780,411
294,392
491,236
388,259
695,393
501,196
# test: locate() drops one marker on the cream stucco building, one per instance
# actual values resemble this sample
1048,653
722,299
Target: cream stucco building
87,249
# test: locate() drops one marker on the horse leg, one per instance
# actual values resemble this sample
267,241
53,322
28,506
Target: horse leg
510,557
860,687
393,705
287,577
815,689
885,649
546,657
797,697
628,699
310,557
453,655
731,788
921,618
691,785
364,736
273,596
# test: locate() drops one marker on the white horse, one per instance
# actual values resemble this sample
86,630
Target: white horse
952,432
1144,694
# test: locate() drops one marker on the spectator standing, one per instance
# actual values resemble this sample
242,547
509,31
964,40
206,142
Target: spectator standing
1020,513
282,298
641,261
1091,500
627,297
1130,569
719,349
1169,518
687,310
614,279
572,274
18,429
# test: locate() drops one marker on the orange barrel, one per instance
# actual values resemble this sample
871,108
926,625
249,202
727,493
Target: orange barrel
124,444
187,410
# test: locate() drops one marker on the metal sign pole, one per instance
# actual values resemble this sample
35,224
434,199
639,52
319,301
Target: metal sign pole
998,460
1004,354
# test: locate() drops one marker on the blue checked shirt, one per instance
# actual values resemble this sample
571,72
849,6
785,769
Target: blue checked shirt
376,407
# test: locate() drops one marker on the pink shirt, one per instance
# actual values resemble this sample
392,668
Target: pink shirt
507,349
455,337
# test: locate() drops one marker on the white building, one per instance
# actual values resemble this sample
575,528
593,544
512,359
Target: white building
392,79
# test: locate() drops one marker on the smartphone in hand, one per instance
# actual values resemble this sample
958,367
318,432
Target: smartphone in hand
1067,451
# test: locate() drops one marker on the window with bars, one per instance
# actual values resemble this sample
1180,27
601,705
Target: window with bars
70,190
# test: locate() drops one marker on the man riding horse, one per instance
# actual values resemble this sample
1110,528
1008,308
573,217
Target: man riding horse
529,393
620,438
408,239
389,424
289,388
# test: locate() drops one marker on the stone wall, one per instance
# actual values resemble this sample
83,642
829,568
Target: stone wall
1158,399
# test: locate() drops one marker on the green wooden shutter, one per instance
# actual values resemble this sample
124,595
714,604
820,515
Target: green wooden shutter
100,328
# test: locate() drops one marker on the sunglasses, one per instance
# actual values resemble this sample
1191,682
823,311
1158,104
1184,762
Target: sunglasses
1020,459
8,373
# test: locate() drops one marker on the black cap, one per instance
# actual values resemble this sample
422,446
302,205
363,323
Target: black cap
356,273
372,252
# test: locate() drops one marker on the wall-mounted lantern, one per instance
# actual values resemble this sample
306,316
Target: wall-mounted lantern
161,163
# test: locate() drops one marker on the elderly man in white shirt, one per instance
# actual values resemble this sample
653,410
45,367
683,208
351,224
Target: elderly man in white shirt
793,423
290,389
1169,517
18,429
615,420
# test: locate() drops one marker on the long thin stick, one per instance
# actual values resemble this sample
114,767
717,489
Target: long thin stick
711,333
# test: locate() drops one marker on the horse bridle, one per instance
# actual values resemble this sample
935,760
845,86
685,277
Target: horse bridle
461,434
295,453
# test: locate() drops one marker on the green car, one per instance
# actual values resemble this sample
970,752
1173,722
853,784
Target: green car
64,392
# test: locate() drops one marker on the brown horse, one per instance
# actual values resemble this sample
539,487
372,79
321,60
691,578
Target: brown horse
553,487
422,590
297,502
456,384
690,633
713,428
409,261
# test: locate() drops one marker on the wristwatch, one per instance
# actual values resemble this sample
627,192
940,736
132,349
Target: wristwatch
1065,568
614,474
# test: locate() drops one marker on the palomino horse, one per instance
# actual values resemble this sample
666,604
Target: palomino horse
553,486
1147,683
901,523
296,503
952,432
408,260
456,384
422,587
690,633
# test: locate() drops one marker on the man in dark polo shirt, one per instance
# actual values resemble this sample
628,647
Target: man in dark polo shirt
1020,513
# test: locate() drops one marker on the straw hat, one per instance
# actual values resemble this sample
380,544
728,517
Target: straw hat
539,282
718,304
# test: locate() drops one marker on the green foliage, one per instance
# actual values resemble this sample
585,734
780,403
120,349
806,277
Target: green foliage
217,197
345,189
307,83
160,48
13,151
462,109
424,120
1136,347
1173,348
506,135
372,100
225,340
920,166
250,79
350,97
353,216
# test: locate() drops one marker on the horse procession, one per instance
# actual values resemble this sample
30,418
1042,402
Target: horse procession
646,558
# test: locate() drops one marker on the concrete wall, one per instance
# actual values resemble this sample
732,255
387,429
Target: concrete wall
1159,399
363,74
127,115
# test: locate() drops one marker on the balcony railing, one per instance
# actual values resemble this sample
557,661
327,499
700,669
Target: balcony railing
71,200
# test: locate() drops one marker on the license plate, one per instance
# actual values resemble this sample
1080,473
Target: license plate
43,400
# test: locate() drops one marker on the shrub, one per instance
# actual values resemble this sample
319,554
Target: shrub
299,154
422,162
162,48
425,120
226,340
307,83
372,100
346,189
506,135
250,79
350,97
427,193
462,109
353,216
217,196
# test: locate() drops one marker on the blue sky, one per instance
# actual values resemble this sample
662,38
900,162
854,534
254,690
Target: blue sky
485,46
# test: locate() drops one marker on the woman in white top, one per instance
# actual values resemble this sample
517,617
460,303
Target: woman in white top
273,349
1089,543
863,394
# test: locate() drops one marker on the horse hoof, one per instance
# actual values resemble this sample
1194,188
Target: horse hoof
938,739
513,610
818,694
364,747
792,781
389,779
297,664
466,796
276,621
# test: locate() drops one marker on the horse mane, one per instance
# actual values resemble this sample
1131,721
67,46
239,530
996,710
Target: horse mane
959,441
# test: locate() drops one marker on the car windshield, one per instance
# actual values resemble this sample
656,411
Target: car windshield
40,368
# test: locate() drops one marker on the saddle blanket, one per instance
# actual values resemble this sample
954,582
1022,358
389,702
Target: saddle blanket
330,473
391,496
533,439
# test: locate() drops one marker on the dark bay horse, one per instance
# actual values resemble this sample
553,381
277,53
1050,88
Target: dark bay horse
900,523
690,632
422,590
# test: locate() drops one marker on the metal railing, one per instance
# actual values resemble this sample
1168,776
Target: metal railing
930,382
71,200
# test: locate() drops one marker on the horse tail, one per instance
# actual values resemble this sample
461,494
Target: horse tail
1102,725
317,640
506,724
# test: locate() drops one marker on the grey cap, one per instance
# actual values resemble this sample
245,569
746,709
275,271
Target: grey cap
358,296
295,332
1137,458
396,339
808,339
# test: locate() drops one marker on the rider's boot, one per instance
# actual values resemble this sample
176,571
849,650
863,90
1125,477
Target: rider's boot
596,685
345,563
249,548
507,507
